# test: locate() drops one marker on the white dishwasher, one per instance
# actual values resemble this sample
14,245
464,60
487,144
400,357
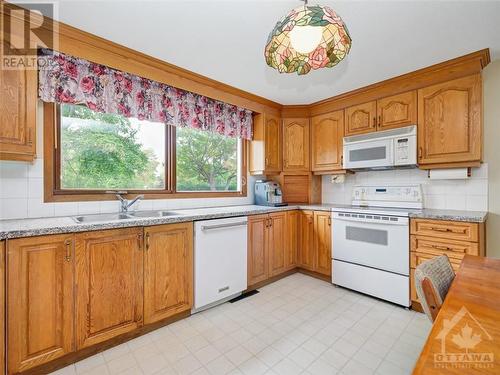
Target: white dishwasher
220,260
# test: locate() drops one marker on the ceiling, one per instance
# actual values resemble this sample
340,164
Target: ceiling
224,40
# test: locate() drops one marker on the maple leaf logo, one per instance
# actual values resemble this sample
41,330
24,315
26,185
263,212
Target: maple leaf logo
466,340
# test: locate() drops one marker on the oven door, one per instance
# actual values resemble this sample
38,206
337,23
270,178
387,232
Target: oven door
371,154
380,242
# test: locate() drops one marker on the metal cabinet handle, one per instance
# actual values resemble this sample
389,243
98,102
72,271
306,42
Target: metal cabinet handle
374,121
379,120
68,244
147,241
420,152
439,247
329,221
221,226
139,241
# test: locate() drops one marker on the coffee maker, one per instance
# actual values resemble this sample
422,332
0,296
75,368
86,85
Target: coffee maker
268,193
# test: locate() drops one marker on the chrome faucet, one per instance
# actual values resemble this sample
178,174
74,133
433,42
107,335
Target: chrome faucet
125,204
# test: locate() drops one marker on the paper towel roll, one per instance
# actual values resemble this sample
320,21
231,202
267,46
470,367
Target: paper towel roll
449,174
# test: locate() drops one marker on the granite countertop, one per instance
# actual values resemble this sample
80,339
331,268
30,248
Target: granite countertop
57,225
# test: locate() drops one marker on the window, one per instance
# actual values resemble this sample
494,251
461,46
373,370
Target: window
97,152
207,161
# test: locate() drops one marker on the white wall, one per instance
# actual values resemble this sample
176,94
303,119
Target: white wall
491,78
21,192
470,194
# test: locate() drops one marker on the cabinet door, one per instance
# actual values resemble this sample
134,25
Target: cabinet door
18,96
277,243
109,269
449,122
168,270
361,118
327,141
323,242
306,240
40,300
397,111
258,265
292,238
272,144
296,144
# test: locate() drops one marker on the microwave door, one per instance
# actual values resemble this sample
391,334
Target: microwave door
370,154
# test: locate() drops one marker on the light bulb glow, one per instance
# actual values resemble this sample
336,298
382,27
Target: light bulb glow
305,39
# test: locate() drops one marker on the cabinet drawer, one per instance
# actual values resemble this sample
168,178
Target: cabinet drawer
446,229
437,246
417,258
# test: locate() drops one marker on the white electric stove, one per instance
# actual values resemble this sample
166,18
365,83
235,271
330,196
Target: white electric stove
370,246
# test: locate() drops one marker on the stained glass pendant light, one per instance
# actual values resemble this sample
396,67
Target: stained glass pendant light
309,37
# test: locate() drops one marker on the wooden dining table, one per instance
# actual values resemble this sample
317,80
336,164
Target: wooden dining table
465,337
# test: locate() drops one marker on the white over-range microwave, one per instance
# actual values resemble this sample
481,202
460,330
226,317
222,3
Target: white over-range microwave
382,150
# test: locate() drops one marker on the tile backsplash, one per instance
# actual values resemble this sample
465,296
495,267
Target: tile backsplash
468,194
21,196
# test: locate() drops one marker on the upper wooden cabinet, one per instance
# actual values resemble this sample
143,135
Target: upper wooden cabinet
18,97
168,270
361,118
397,111
40,300
265,147
296,145
450,123
327,141
109,284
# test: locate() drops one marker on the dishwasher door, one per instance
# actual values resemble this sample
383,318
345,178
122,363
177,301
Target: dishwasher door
220,264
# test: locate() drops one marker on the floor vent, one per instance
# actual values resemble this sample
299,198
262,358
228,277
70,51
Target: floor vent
244,295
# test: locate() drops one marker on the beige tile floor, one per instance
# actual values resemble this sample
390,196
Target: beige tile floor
298,325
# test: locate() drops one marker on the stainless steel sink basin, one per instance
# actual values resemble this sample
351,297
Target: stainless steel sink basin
157,213
100,217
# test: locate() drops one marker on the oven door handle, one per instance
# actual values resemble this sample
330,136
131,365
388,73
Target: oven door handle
400,222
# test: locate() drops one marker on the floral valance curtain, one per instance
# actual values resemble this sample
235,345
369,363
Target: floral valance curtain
67,79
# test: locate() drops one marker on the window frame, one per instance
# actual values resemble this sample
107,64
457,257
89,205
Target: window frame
53,192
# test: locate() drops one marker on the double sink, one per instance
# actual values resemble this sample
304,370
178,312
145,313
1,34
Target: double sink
85,219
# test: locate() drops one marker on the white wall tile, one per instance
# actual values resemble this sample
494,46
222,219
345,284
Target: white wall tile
471,194
65,209
109,206
13,169
87,208
14,188
35,187
36,169
37,208
13,208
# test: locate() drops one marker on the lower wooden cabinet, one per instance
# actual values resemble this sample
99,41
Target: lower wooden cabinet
323,242
432,238
40,300
2,306
315,242
271,244
168,270
306,240
69,292
109,284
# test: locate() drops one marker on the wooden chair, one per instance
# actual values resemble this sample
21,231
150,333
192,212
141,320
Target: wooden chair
432,282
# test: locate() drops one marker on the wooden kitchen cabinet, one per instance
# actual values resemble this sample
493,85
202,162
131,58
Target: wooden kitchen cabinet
397,111
109,284
40,300
277,243
168,270
296,145
265,147
450,123
306,240
432,238
361,118
257,257
327,132
292,238
323,242
18,99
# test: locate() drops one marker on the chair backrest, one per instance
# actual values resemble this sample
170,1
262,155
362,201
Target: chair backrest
432,282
